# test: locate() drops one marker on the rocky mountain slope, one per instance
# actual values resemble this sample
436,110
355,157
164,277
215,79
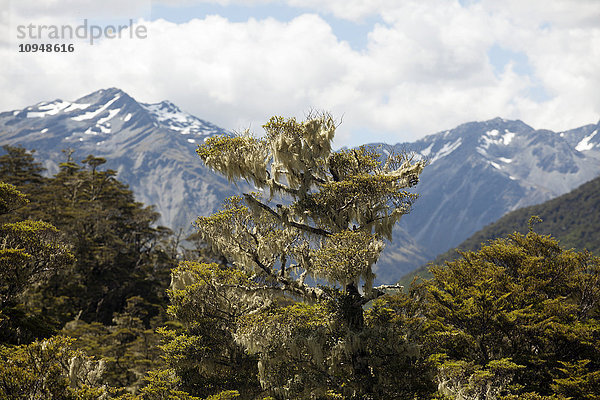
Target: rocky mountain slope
573,218
478,171
152,146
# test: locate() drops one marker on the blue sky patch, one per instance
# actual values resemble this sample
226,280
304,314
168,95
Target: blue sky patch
500,57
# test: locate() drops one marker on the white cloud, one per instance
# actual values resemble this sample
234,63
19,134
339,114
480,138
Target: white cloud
425,68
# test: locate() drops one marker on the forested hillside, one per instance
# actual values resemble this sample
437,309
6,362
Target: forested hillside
102,278
573,219
273,298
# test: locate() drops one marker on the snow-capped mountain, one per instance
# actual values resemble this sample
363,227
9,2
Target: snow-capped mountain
152,146
481,170
97,117
477,172
585,139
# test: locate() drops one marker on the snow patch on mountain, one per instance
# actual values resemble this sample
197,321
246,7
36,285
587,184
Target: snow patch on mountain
172,117
491,138
427,151
104,129
446,150
77,106
46,109
111,115
92,114
49,109
495,165
508,137
585,142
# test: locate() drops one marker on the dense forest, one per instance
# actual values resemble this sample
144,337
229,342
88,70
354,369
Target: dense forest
273,297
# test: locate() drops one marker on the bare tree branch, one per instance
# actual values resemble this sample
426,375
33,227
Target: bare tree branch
285,219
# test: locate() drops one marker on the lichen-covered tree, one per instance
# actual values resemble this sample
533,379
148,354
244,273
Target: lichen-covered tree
302,248
50,369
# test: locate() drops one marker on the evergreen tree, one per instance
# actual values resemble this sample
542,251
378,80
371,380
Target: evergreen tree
30,252
517,318
301,271
112,297
119,254
18,167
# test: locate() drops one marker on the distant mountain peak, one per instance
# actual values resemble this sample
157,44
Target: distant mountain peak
172,117
104,113
477,171
111,91
152,146
167,105
98,95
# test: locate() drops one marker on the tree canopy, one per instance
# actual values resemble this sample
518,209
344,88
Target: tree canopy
335,206
276,300
80,257
519,317
301,249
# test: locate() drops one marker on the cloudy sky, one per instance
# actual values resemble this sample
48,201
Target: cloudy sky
391,70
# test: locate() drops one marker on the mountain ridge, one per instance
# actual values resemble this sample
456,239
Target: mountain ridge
477,171
154,154
572,218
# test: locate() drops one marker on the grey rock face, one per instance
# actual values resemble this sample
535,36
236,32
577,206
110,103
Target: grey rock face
481,170
152,146
478,171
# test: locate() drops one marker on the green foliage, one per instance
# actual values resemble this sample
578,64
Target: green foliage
396,326
49,369
118,252
578,380
208,299
346,254
162,386
10,198
128,348
515,317
273,310
107,285
18,167
310,340
532,396
30,251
